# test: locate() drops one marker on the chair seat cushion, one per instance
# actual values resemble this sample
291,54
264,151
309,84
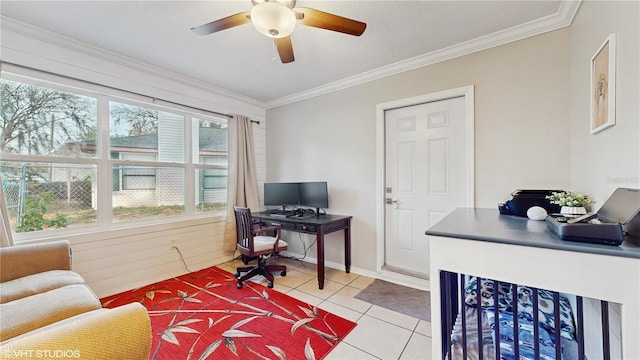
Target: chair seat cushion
37,283
265,243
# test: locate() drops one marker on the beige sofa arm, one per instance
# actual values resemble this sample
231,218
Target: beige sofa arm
21,260
120,333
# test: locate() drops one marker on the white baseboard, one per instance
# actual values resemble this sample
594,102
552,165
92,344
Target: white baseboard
400,279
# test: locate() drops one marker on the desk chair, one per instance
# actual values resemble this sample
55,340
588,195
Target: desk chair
251,245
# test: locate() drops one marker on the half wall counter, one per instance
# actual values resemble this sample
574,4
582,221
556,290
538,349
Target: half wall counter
578,299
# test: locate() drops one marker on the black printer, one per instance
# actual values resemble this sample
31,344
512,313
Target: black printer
618,218
522,200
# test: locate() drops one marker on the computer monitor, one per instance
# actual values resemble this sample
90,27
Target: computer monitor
280,194
314,194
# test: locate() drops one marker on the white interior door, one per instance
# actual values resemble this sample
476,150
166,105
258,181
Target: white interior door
426,177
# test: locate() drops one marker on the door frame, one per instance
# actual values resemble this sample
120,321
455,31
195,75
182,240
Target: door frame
468,93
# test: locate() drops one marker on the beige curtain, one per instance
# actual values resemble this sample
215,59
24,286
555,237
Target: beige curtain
242,183
6,239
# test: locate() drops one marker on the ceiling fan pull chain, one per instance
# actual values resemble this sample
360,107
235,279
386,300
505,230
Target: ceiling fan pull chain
273,50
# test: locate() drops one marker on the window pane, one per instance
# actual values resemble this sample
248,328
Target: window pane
135,129
42,196
211,184
211,190
39,121
148,192
215,181
209,141
133,181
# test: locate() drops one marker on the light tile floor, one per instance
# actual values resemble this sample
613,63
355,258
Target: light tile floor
380,333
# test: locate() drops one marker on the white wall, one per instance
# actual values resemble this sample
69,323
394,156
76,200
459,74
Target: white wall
602,162
116,260
522,119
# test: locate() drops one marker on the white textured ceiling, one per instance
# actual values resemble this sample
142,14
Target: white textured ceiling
241,60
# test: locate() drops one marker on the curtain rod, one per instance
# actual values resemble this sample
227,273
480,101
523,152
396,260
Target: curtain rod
118,89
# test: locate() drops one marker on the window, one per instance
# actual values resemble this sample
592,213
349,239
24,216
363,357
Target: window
142,130
37,120
210,151
52,158
48,167
138,177
215,178
41,196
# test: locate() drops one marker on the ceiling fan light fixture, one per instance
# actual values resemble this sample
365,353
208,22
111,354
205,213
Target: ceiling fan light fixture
273,19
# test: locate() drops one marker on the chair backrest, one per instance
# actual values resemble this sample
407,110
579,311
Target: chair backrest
244,227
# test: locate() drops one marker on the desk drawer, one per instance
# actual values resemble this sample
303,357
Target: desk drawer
283,225
306,228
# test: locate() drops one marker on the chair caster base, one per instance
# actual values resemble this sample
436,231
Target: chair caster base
270,285
284,273
239,286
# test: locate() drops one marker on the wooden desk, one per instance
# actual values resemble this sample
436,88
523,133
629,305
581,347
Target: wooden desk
319,225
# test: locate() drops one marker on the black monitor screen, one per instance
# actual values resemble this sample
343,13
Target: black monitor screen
279,194
314,194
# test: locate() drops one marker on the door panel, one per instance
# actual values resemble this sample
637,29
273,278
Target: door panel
425,177
438,166
406,162
406,238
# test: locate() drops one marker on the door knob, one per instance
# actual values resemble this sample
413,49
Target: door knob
393,202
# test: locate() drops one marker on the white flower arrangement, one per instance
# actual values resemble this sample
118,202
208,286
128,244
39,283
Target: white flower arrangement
569,198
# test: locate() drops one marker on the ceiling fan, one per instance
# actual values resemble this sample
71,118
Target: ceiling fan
277,19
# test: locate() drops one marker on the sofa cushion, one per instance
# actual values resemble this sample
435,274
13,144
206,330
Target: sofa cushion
32,312
37,283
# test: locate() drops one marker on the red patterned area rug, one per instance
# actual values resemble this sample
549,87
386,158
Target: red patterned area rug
202,315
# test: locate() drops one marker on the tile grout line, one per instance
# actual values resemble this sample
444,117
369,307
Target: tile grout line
361,314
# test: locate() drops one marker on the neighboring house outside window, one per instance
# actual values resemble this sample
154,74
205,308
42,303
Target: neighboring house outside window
138,177
211,183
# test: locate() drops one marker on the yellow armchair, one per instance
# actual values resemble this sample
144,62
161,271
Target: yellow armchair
47,311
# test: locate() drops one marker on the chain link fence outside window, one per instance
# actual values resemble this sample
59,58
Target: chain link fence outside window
42,196
48,196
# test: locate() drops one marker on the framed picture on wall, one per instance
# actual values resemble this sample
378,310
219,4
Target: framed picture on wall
603,86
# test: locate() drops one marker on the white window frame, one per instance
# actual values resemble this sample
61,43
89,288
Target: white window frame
104,163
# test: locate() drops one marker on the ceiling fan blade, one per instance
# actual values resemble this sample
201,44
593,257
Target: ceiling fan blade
285,49
324,20
222,24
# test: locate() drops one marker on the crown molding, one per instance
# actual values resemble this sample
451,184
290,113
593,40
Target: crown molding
34,32
562,18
